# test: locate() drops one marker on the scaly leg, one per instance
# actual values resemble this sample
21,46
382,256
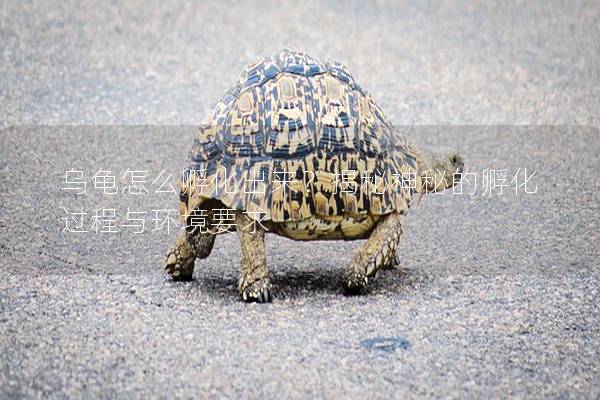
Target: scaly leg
392,264
253,283
379,250
189,245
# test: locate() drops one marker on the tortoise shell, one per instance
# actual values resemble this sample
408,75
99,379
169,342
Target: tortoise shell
296,138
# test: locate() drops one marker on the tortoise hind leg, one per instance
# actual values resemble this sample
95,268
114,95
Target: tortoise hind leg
189,245
253,283
379,251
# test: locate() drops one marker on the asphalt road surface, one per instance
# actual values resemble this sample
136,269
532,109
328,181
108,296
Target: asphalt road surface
496,295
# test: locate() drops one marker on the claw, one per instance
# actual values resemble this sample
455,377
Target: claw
355,283
259,291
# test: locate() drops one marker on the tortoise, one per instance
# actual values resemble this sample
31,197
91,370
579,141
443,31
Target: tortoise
297,148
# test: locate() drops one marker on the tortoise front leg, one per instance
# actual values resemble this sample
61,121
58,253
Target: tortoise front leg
392,263
253,283
188,246
377,252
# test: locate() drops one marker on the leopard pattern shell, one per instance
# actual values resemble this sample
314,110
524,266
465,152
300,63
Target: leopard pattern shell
296,138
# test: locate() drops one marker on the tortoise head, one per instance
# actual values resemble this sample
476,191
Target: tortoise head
440,171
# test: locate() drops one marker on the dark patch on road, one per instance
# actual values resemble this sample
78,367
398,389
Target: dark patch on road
385,344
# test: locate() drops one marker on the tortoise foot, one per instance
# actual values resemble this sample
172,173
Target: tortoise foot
355,282
259,291
179,265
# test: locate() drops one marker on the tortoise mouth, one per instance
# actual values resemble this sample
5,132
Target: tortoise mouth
458,171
